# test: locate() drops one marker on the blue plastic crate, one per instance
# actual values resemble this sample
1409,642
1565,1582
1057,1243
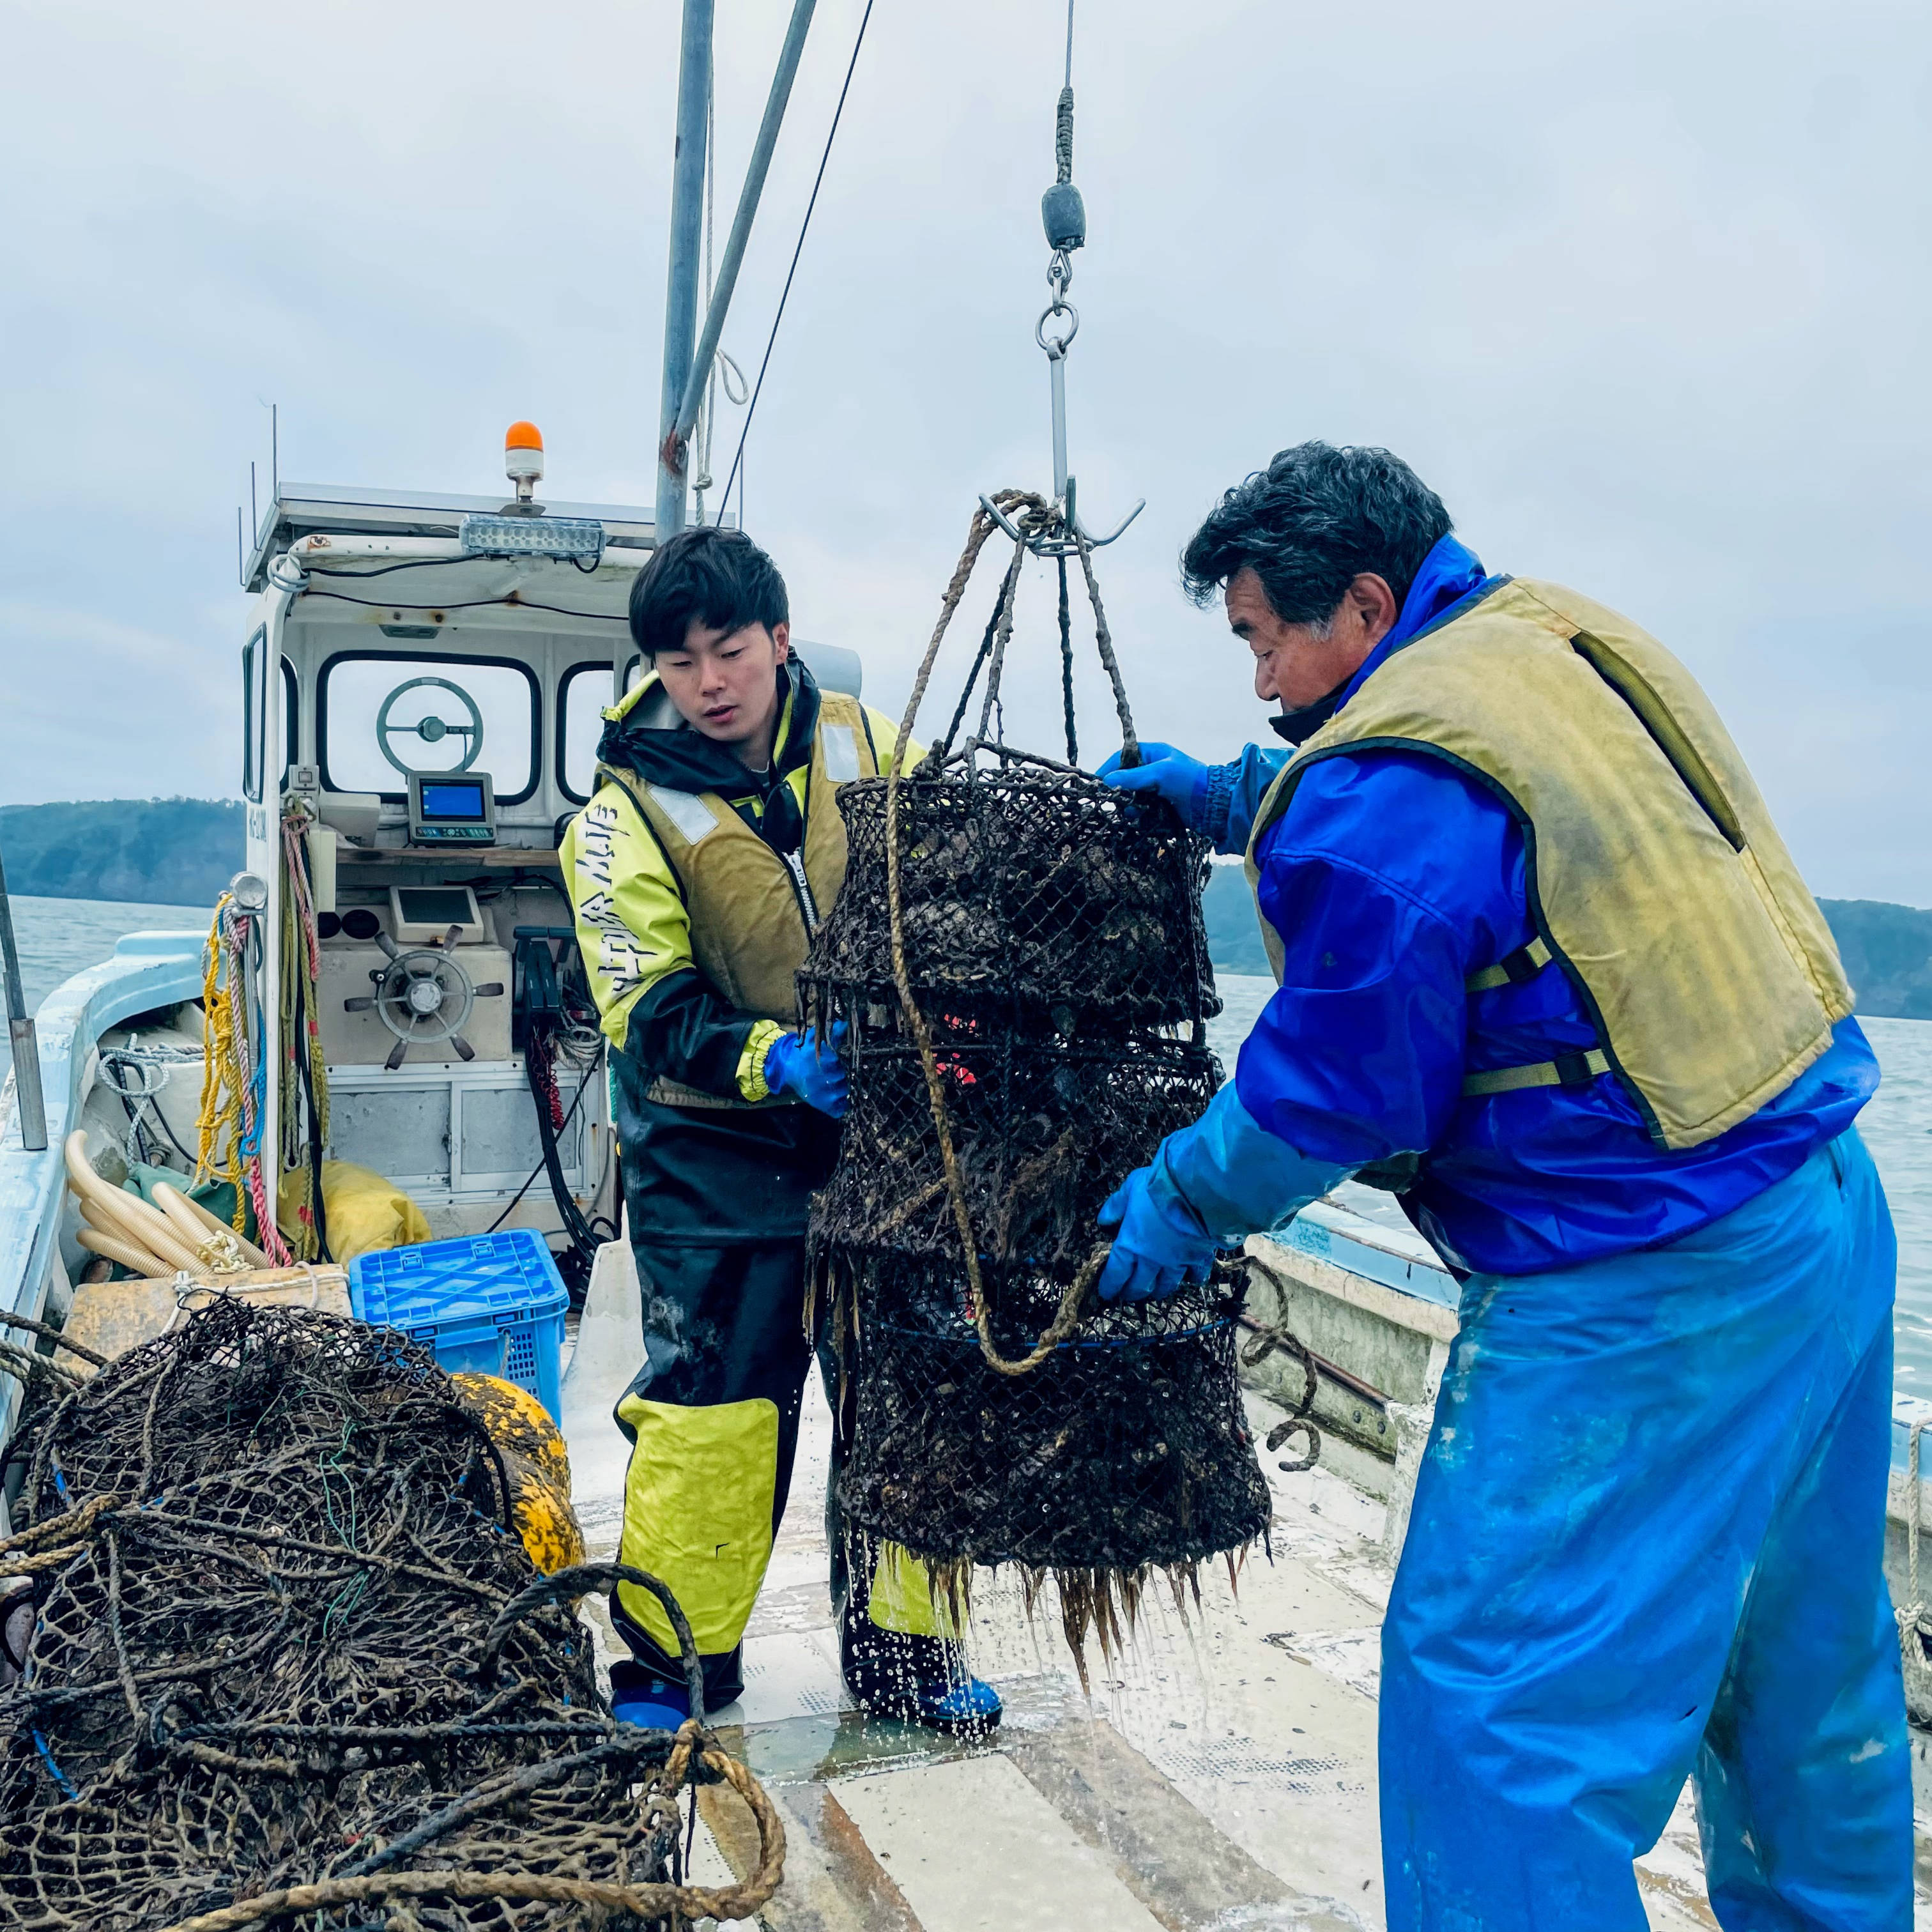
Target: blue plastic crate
487,1304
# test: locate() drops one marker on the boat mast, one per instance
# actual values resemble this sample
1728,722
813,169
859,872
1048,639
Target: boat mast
685,372
687,210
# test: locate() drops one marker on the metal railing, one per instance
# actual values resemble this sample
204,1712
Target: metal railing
28,1101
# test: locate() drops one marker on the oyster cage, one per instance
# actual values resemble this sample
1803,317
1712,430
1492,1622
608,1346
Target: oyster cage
1021,1029
1127,1448
1027,886
1055,950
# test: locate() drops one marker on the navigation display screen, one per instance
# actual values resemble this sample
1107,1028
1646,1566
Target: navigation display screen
436,905
462,801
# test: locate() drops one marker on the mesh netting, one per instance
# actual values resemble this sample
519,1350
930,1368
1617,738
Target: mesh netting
286,1636
1043,1130
1026,886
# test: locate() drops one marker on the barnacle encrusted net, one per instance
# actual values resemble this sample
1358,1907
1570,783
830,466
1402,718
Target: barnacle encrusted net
286,1636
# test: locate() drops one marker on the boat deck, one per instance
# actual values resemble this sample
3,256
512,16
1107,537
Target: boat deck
1221,1775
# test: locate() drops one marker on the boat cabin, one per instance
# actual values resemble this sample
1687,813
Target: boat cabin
427,673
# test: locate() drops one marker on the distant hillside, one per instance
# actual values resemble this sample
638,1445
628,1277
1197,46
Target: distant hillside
158,851
183,851
1233,931
1888,954
1887,949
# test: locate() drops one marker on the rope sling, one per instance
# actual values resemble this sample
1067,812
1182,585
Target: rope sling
1037,515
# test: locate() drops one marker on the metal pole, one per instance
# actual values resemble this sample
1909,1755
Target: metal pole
687,228
1056,372
20,1035
748,208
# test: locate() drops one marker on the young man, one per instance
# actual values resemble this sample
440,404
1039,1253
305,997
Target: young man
1546,967
711,849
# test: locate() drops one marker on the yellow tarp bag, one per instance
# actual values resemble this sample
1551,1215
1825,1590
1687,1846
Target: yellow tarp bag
365,1213
539,1464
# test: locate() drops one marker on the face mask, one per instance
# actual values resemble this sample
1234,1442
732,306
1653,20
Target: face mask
1298,727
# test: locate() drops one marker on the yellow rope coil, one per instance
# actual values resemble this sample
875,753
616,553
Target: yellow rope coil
223,1075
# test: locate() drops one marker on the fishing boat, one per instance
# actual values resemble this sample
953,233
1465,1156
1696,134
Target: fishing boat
421,678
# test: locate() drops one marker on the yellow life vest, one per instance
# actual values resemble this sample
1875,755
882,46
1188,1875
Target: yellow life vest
1656,881
753,910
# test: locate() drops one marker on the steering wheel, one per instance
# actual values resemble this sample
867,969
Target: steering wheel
423,997
432,730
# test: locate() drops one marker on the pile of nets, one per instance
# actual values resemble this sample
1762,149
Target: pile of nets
1019,957
291,1664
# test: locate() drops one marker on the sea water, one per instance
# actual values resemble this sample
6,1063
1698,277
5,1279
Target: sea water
59,937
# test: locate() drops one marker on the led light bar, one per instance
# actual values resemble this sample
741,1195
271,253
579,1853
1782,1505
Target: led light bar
571,539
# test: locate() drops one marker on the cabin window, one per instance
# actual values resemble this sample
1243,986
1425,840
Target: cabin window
432,714
291,734
581,699
254,708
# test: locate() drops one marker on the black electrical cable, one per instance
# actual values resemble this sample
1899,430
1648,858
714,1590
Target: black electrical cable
472,604
444,562
583,1086
318,1202
574,1264
757,388
387,569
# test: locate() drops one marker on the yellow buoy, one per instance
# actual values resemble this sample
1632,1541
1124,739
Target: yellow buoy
539,1468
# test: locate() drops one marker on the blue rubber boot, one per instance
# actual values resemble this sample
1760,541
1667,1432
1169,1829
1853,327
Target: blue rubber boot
919,1680
640,1696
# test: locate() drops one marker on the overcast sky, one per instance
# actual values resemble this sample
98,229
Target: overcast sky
1641,289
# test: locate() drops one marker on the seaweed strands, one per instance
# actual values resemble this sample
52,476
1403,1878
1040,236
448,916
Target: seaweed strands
291,1663
1019,958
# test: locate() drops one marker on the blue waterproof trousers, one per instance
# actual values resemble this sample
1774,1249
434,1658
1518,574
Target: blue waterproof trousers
1647,1542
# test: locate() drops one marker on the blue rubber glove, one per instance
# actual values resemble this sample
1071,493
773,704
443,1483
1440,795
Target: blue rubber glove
1210,1186
1180,780
1160,1246
807,1067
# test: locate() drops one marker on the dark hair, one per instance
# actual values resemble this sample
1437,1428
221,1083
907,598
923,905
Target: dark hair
718,578
1311,523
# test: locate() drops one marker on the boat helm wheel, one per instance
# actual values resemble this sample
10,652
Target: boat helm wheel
432,730
423,997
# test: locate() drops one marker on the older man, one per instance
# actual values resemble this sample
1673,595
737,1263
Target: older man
1547,971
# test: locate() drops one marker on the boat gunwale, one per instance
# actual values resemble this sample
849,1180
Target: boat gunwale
145,970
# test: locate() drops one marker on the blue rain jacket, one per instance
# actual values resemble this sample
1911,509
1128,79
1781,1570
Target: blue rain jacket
1391,878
